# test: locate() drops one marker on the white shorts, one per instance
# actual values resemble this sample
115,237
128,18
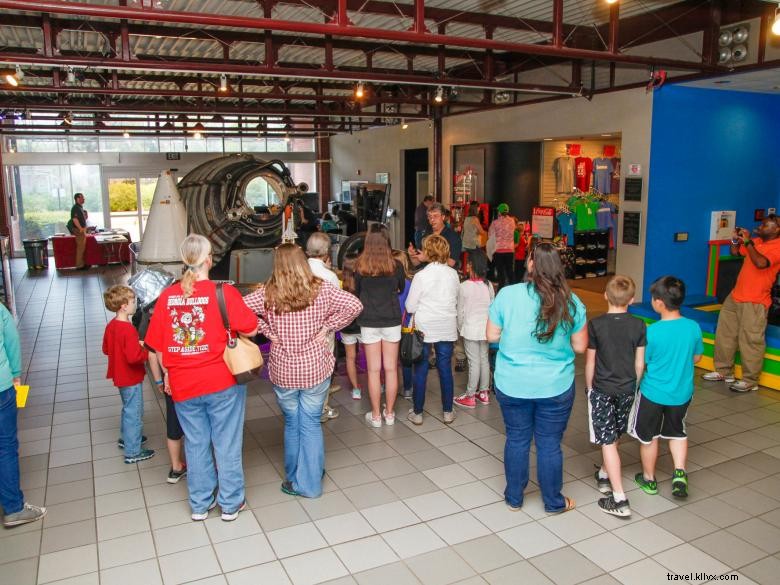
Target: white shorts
350,338
369,335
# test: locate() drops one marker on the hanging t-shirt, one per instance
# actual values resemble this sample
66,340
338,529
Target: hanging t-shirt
563,168
615,186
583,167
586,214
566,226
602,175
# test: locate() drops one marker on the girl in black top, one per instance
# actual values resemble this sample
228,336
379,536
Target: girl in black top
378,280
350,335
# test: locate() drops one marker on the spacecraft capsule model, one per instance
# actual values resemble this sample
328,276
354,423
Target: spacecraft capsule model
166,226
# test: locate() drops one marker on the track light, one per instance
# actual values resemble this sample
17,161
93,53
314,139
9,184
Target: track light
125,134
360,91
197,131
13,77
223,86
71,75
439,97
287,137
404,125
776,23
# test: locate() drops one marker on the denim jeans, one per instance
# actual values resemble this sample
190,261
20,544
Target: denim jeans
406,372
132,418
545,420
11,497
304,447
214,420
444,365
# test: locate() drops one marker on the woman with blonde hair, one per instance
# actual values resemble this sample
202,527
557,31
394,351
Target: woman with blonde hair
378,281
187,333
433,298
297,312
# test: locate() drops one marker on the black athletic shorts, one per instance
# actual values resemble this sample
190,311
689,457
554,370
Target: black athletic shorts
608,416
651,420
173,431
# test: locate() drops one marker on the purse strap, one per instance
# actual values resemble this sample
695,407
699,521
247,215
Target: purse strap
231,342
403,320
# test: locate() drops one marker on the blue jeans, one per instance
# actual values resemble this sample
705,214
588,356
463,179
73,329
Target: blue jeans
11,497
406,372
545,420
214,420
444,365
132,418
304,447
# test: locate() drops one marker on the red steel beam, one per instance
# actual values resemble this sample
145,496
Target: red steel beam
203,19
614,27
557,23
419,17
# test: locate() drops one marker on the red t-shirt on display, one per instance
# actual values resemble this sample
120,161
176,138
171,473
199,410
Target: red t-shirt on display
126,357
583,167
189,336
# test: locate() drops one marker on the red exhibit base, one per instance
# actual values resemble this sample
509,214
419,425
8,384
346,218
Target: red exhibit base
95,254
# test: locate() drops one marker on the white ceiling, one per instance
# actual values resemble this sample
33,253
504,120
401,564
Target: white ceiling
764,81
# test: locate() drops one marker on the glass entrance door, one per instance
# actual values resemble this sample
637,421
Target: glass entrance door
129,198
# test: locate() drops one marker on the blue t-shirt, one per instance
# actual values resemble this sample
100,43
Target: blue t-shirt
602,175
671,346
566,223
526,368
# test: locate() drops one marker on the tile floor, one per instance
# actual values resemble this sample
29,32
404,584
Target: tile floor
402,505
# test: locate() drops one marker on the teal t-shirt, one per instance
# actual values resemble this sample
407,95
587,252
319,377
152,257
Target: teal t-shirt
671,346
526,368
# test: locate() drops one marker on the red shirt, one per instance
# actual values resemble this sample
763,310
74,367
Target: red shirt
583,167
754,285
189,337
298,359
126,357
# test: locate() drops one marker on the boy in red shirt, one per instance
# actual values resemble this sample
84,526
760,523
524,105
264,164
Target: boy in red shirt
126,358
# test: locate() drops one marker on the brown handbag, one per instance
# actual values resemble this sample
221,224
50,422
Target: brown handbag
242,355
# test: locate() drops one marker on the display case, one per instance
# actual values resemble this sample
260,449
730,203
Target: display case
590,253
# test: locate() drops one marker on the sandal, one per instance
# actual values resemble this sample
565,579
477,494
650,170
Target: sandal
570,505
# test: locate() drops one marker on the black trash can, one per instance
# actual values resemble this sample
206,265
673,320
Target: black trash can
37,252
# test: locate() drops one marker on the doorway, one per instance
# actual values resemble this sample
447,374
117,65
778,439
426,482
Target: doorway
129,200
415,165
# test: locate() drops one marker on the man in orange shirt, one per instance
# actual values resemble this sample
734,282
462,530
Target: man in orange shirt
743,317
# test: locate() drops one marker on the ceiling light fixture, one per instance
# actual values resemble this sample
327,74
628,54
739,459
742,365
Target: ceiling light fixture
223,85
439,97
12,76
360,91
404,125
197,131
776,23
612,1
125,134
70,75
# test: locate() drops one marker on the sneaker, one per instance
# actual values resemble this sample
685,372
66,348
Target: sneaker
407,393
465,401
200,516
287,487
373,422
230,516
120,443
743,387
680,484
28,513
603,484
448,417
460,365
333,388
328,413
610,506
483,397
649,486
389,418
513,508
357,394
143,455
174,476
716,377
414,417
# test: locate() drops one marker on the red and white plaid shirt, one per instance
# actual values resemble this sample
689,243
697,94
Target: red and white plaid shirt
298,358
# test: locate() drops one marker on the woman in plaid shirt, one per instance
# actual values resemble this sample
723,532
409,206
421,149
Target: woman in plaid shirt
297,311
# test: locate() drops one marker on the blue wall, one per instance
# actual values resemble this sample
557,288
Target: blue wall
711,150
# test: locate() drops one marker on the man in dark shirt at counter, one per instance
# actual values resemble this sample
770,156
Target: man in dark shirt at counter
421,223
77,226
438,227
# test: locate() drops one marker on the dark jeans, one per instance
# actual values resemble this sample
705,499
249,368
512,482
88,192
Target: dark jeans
544,420
11,497
444,365
406,371
519,271
505,267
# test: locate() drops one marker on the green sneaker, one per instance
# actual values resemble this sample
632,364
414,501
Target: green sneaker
680,484
649,486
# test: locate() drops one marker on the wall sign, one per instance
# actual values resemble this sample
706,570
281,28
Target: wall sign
633,189
722,224
631,227
542,220
634,170
172,156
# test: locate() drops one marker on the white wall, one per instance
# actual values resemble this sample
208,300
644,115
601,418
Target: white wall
379,150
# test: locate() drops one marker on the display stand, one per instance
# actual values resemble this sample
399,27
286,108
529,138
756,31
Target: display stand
590,253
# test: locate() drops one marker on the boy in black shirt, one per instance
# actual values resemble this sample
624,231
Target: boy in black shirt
614,363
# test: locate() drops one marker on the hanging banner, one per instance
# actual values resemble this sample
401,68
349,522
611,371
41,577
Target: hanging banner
542,222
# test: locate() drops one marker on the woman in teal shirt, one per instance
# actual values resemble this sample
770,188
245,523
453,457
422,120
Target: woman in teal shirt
539,326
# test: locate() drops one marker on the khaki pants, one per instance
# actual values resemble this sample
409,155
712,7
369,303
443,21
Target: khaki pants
741,326
81,244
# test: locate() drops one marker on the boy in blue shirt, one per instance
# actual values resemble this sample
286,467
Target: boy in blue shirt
673,346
